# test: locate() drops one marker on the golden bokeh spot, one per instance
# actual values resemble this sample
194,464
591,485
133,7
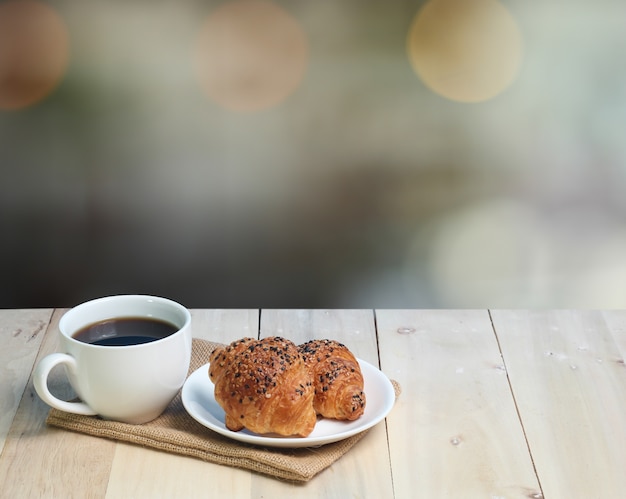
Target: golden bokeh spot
34,52
251,55
466,51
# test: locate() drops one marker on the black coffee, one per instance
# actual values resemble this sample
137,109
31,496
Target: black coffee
125,331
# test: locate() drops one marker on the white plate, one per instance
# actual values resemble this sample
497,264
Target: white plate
201,405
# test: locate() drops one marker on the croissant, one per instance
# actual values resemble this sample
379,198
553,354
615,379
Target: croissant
264,386
337,379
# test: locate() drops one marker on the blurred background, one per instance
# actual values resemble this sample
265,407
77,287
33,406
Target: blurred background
257,153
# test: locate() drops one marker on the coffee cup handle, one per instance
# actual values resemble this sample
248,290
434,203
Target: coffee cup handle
40,380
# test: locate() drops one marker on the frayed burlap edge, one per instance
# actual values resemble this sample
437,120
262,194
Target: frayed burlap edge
178,433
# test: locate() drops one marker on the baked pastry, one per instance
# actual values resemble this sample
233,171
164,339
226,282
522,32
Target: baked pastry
264,386
337,379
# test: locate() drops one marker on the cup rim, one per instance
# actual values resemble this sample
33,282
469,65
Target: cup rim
112,298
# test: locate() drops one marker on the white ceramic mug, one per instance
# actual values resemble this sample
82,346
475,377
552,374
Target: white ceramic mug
132,383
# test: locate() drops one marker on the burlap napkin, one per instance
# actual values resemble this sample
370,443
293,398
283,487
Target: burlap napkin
177,432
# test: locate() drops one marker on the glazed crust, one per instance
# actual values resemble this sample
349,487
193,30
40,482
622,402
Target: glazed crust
337,379
264,386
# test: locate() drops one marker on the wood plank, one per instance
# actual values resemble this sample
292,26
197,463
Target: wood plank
365,470
21,334
570,388
38,461
455,431
138,472
355,328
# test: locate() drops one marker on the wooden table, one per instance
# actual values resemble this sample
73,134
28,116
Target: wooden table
495,404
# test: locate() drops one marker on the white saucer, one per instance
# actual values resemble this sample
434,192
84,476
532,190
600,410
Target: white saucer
198,399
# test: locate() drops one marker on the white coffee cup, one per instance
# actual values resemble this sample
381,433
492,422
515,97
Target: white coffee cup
131,383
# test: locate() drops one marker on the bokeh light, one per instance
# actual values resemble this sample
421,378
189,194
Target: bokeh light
490,252
465,51
251,55
601,281
34,45
244,153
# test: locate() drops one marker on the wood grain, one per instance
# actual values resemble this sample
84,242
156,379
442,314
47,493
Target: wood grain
138,472
494,404
454,431
364,471
21,334
569,382
38,461
355,328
